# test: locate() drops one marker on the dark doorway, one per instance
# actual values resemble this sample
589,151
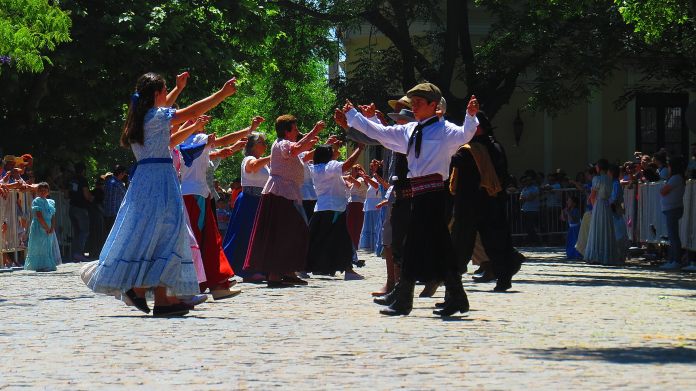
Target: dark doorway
661,122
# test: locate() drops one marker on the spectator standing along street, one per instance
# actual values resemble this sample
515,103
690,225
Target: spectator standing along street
80,199
114,191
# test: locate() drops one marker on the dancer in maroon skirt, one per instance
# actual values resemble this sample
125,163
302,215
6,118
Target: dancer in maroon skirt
280,236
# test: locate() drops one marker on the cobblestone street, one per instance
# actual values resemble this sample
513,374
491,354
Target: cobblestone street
564,325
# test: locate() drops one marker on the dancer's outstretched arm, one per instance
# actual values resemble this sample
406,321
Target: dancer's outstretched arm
232,138
204,105
180,85
254,165
182,134
308,141
353,158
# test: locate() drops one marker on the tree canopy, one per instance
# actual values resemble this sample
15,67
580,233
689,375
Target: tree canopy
74,109
29,29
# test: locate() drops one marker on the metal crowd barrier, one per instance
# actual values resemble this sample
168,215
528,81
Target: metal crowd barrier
15,218
647,224
551,204
688,221
631,213
63,224
652,226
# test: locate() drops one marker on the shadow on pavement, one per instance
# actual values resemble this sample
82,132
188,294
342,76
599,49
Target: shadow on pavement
607,280
627,355
66,298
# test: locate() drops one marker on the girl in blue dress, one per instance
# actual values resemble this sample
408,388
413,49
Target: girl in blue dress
148,246
571,215
40,254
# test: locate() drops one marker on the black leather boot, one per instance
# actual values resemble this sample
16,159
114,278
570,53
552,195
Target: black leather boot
389,298
457,300
403,299
430,288
443,303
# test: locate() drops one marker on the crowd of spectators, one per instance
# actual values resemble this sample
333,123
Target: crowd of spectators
541,199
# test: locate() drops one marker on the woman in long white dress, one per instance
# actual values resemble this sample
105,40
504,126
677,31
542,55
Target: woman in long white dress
601,240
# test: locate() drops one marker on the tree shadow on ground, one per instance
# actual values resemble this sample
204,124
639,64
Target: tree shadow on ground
608,280
598,275
627,355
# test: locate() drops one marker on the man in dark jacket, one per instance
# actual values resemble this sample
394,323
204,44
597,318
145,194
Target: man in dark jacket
478,183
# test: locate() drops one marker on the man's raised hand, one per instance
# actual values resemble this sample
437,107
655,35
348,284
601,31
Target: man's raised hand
473,107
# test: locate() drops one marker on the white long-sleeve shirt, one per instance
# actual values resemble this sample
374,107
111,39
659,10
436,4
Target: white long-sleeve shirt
440,141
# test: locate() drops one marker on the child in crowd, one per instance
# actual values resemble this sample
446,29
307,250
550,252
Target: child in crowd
40,253
371,235
223,214
571,215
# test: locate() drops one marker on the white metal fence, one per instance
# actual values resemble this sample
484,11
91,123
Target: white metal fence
650,225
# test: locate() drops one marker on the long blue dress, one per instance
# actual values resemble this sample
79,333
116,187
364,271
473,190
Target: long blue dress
148,245
371,234
601,240
40,252
572,235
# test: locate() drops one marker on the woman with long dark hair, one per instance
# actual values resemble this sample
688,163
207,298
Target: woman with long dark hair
148,246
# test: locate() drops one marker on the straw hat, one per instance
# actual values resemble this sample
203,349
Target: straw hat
404,100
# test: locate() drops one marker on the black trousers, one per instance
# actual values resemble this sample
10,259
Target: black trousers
485,215
400,216
428,254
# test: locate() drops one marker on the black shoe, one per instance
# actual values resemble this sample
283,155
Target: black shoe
139,302
279,284
430,288
518,260
167,311
389,311
403,303
454,305
502,286
487,276
387,299
480,270
441,305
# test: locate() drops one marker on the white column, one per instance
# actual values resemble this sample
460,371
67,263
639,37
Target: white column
630,116
548,143
594,127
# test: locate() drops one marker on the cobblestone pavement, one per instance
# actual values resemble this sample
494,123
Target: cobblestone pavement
565,325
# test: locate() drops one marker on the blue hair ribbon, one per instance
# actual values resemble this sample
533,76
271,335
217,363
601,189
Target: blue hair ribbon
134,98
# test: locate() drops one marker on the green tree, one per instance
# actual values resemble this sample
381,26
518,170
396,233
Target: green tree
664,42
558,50
29,29
74,109
653,18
